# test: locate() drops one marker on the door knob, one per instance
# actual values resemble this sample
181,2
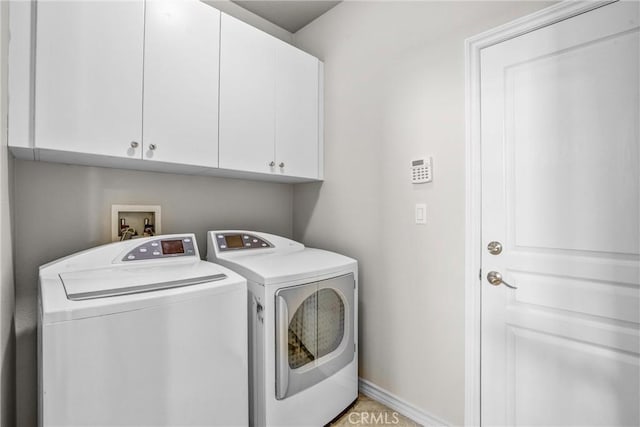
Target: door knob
495,279
281,164
134,144
272,163
152,147
494,248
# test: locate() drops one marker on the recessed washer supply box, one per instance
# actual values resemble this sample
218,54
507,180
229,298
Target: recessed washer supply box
134,216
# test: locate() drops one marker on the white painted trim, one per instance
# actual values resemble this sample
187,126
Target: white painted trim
473,197
397,404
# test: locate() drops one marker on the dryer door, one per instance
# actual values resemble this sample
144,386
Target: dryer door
314,332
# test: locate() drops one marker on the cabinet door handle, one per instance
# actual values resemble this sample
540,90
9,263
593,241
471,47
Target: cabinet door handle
281,164
272,163
152,147
134,144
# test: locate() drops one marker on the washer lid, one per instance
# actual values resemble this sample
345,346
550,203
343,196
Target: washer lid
114,281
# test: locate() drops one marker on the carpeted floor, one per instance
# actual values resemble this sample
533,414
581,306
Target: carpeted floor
368,412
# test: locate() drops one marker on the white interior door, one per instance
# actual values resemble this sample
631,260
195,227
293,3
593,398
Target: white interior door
560,192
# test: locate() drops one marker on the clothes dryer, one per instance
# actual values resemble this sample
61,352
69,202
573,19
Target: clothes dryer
302,326
142,332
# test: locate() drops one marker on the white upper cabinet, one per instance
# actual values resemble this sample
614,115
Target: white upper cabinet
167,85
247,97
297,108
88,80
269,104
181,66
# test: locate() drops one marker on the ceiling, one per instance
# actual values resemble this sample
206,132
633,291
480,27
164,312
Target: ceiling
288,14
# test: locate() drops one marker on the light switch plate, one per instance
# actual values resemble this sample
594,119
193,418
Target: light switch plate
421,213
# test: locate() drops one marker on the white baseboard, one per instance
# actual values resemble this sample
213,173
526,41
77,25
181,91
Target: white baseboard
394,402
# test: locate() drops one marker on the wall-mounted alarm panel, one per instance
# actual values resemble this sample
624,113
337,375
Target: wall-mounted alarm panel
421,170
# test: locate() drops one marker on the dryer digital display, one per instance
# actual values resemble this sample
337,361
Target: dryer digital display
234,241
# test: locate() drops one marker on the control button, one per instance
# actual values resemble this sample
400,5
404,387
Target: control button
248,244
156,253
187,240
131,257
255,240
189,251
223,246
220,236
143,250
154,244
264,244
246,237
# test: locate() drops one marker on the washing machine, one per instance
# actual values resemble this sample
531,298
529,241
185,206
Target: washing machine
303,340
142,332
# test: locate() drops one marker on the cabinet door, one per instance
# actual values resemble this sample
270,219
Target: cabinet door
181,66
89,77
296,112
247,97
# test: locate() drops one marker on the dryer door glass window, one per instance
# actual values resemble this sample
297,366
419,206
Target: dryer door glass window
314,333
330,321
303,333
317,328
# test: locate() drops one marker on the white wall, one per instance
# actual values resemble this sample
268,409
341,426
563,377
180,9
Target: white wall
7,300
251,18
394,91
62,209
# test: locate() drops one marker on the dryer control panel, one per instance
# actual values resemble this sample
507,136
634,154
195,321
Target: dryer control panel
162,248
239,241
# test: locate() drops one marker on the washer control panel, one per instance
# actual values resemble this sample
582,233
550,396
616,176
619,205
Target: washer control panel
240,241
162,248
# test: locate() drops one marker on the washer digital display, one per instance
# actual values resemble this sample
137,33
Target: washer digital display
234,241
172,247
